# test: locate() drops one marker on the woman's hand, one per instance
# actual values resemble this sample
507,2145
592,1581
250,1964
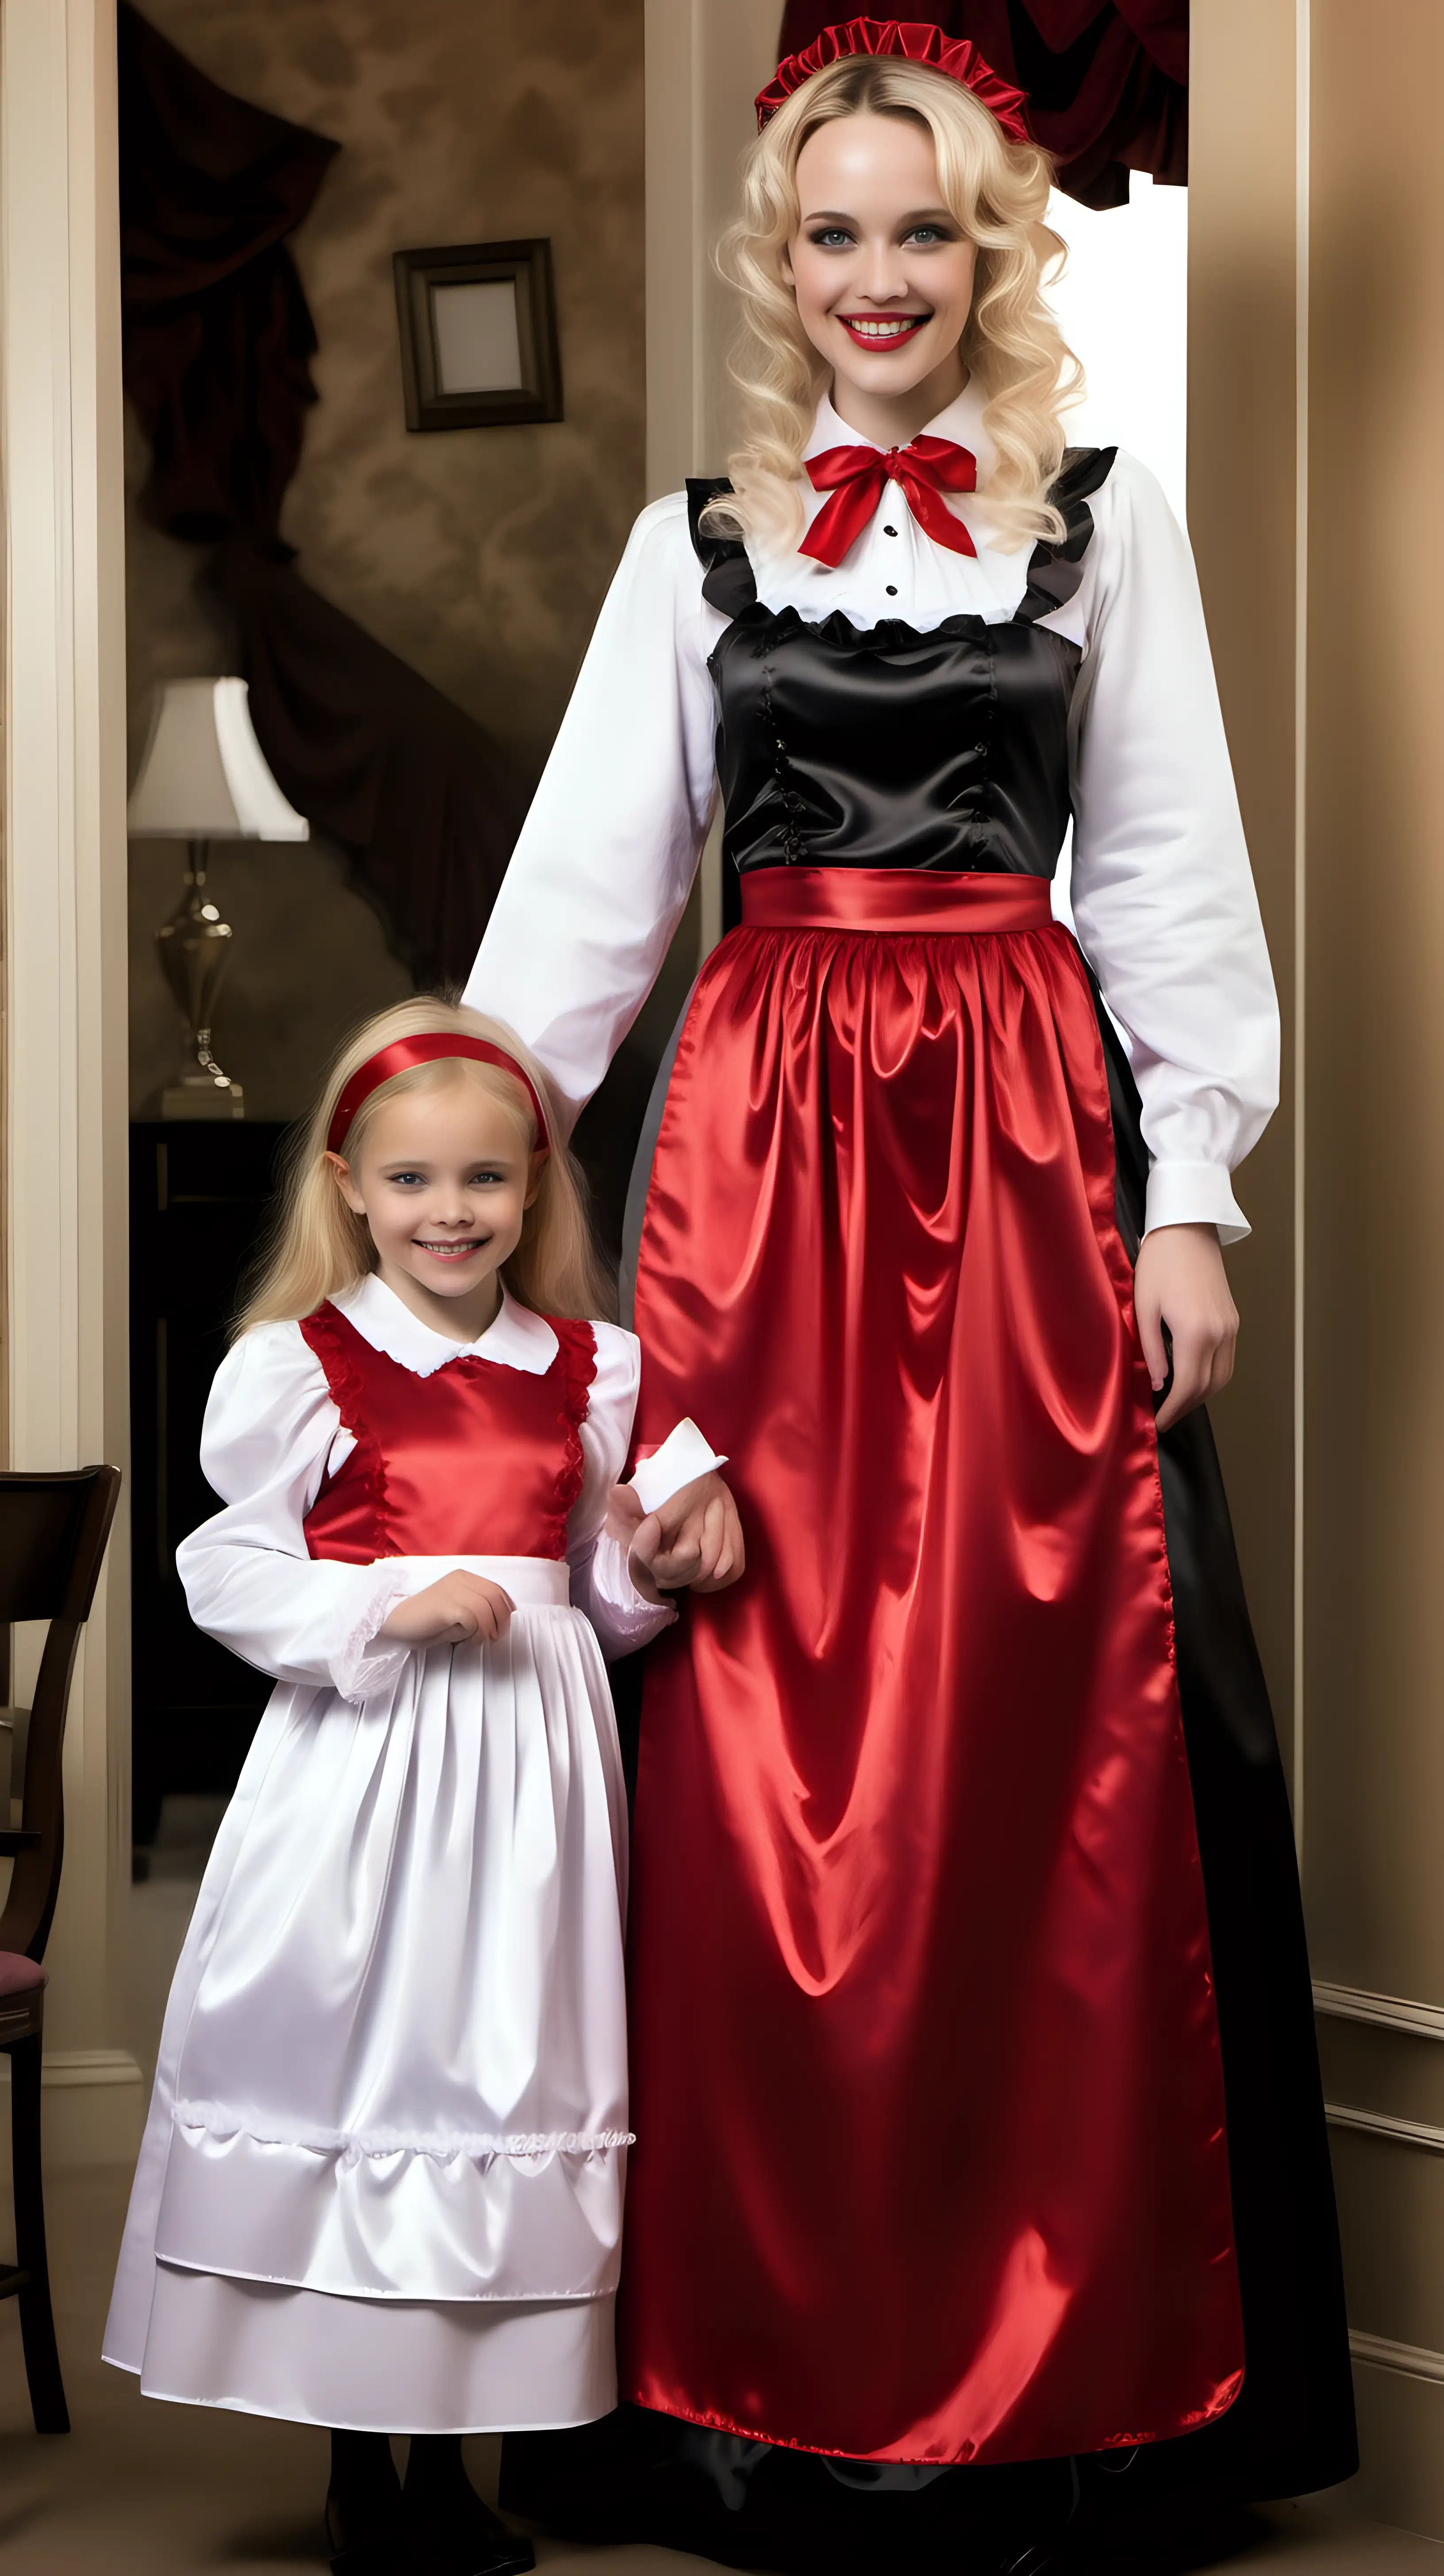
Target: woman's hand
451,1612
694,1542
1180,1282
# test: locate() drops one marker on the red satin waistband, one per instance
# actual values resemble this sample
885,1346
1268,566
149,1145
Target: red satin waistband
892,899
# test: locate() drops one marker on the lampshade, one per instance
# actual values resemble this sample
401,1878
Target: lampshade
204,775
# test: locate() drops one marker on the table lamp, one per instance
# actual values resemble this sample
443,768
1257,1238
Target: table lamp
204,778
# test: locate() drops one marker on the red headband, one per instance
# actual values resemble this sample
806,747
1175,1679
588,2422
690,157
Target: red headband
953,55
402,1054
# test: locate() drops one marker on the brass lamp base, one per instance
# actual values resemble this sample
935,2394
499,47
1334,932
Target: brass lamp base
194,948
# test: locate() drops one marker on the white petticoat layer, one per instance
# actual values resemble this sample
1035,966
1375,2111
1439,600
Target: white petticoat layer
394,2060
263,2348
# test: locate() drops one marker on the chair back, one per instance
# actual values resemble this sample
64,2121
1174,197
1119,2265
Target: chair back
53,1533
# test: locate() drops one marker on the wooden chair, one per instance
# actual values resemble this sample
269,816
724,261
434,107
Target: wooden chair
53,1531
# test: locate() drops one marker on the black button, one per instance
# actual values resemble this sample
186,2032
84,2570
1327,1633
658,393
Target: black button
981,750
889,532
892,590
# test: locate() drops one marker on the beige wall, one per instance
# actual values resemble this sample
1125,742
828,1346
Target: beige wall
1374,1081
1375,1067
480,556
1242,405
1316,376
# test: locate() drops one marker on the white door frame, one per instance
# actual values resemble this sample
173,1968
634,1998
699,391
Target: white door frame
65,1049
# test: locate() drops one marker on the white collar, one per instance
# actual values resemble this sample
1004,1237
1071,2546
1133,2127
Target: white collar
516,1339
961,420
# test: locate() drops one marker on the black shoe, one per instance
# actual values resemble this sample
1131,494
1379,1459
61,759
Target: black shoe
374,2544
462,2537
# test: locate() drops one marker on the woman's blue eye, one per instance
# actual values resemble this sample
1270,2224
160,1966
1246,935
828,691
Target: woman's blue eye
927,233
831,236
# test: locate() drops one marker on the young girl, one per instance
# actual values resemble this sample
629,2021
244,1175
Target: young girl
381,2184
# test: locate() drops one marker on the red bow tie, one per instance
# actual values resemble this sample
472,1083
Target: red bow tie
855,476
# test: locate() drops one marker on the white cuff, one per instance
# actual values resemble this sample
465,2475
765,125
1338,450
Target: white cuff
1194,1194
683,1454
623,1616
366,1664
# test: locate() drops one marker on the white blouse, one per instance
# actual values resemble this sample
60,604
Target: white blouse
273,1434
1162,895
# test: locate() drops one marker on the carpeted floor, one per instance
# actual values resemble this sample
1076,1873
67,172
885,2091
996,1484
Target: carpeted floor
139,2489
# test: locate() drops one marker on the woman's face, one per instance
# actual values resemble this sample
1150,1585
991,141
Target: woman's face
883,274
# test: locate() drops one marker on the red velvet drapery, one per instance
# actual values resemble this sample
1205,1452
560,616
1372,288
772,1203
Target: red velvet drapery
1107,80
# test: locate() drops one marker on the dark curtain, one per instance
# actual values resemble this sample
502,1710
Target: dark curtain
218,339
218,342
378,760
1107,80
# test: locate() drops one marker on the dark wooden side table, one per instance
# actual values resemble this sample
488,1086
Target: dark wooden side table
200,1196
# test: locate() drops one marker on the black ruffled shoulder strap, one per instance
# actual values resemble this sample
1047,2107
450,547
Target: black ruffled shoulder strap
1056,566
728,580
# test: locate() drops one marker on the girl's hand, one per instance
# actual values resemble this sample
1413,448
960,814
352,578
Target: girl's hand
451,1612
694,1542
1180,1282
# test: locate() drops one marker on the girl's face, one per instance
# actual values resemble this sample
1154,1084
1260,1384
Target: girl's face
443,1183
882,272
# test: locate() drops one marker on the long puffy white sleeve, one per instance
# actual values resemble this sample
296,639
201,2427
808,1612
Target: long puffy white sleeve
601,873
249,1581
597,1551
1163,896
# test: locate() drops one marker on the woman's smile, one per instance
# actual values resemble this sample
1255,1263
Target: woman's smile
883,330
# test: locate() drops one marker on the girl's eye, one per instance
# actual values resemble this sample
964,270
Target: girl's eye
484,1180
406,1180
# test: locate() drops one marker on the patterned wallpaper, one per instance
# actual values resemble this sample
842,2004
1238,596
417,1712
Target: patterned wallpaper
479,555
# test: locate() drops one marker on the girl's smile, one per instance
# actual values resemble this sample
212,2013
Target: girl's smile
461,1249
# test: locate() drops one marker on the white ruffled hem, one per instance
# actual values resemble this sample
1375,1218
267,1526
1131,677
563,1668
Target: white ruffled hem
363,2218
482,2146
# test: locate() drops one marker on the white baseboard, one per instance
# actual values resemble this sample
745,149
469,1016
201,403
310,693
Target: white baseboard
1400,2395
92,2108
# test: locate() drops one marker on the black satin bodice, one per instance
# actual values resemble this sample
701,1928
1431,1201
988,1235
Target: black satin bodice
883,747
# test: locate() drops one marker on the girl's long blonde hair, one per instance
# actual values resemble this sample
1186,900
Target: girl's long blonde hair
997,191
318,1245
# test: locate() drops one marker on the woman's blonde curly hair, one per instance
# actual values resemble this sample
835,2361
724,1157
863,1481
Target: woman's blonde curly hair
997,190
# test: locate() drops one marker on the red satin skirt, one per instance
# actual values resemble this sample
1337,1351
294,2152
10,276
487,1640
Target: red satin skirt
931,2161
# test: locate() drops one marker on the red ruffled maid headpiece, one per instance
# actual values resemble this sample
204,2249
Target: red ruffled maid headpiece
954,56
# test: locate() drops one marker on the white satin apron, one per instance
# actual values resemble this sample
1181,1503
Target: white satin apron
382,2176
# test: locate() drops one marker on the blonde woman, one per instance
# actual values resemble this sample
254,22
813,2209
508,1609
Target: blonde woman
973,2067
381,2183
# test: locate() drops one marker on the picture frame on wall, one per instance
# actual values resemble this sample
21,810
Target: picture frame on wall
478,328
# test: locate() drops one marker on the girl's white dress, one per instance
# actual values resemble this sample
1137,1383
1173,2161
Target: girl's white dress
381,2182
